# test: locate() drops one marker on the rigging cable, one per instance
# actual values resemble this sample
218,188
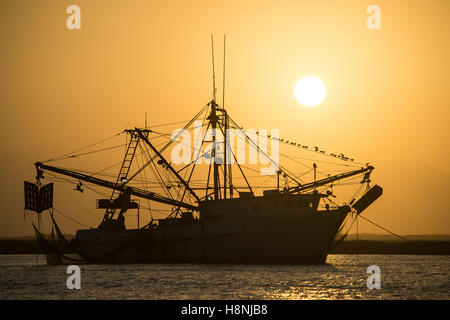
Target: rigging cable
73,220
399,236
95,151
145,185
84,148
78,202
171,140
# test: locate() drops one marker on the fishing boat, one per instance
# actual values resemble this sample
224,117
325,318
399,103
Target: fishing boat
219,218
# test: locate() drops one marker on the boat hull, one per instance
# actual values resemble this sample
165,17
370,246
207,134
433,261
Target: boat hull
290,238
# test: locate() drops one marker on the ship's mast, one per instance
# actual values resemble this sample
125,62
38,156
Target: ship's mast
227,176
224,125
213,69
214,120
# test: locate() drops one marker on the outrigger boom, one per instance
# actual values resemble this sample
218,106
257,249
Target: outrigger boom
111,185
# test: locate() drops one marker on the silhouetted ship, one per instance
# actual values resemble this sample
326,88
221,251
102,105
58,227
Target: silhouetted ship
296,223
283,225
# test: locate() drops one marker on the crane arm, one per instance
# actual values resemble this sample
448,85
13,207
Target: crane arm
311,185
111,185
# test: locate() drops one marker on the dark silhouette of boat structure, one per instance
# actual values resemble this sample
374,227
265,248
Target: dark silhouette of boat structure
283,225
225,224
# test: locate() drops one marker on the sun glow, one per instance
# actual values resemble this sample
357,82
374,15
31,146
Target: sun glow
310,91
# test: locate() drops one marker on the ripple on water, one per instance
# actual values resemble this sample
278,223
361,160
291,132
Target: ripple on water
343,277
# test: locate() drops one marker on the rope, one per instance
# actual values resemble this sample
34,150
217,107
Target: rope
95,151
297,145
168,124
281,154
78,202
399,236
73,220
84,148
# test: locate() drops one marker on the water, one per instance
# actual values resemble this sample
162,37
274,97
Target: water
343,277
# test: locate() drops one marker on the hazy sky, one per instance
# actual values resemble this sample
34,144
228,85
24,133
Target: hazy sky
387,97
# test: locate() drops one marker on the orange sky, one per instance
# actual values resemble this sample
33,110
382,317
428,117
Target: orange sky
387,90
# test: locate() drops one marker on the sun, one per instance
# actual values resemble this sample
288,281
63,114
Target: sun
310,91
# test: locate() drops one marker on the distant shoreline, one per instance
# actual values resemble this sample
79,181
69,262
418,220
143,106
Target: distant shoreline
392,247
418,247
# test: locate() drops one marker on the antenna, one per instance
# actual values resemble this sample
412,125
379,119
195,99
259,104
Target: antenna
146,121
223,82
214,72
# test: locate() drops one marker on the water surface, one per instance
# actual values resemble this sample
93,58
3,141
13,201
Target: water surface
343,277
